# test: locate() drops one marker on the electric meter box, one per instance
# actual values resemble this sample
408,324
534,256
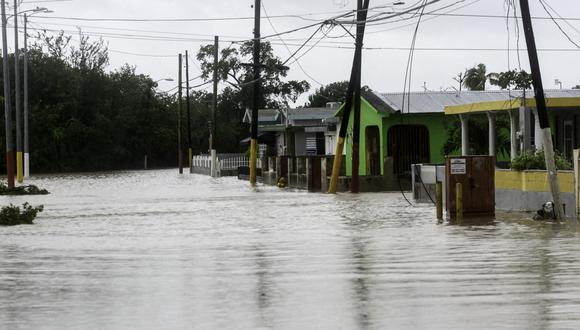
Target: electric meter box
477,177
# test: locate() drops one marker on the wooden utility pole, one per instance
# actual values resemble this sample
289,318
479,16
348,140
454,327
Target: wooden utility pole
354,188
256,94
7,102
352,86
542,110
179,109
189,147
213,133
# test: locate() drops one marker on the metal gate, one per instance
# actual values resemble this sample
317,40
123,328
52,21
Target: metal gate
477,177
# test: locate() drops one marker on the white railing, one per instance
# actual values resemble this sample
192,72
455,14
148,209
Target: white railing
227,162
233,163
201,161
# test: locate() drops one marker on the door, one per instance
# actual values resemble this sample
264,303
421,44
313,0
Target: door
373,150
408,144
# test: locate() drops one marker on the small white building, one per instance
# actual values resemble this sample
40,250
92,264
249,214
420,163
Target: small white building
298,131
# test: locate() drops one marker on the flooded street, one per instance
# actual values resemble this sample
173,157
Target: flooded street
152,250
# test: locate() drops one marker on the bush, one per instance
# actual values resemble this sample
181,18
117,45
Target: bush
22,190
529,160
12,216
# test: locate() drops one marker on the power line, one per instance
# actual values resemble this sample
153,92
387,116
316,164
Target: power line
558,25
288,48
337,45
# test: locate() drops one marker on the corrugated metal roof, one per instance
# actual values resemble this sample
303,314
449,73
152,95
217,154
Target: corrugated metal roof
310,113
435,102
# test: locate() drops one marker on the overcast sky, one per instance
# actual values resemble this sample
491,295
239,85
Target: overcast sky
383,69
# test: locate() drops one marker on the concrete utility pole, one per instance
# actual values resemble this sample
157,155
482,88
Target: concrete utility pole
179,109
354,76
213,132
26,110
256,97
189,148
7,101
542,110
19,156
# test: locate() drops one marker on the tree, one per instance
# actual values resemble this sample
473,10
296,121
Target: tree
478,135
85,119
511,79
333,92
234,69
476,78
460,78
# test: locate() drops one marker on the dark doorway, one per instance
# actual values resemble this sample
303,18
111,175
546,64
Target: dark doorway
408,144
320,145
373,150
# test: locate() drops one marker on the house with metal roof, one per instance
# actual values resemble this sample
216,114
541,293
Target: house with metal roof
298,131
411,128
525,133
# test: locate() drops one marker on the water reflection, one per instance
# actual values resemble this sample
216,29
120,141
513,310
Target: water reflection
158,250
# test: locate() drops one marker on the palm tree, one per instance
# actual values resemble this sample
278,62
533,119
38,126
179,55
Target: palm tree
475,78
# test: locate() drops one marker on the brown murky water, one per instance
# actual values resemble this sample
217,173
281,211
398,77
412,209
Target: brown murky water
152,250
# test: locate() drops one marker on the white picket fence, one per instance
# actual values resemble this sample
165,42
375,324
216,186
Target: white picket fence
225,162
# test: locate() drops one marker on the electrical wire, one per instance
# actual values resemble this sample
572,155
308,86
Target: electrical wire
558,25
288,48
408,78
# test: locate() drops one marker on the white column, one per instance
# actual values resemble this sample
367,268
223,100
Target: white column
538,137
513,134
492,133
464,134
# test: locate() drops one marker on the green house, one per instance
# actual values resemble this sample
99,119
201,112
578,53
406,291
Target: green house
408,128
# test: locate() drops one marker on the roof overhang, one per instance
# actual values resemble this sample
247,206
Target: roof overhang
482,107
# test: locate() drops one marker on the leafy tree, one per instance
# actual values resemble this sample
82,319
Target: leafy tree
511,79
234,69
333,92
84,119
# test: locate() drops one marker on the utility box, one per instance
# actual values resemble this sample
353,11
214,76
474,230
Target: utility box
477,177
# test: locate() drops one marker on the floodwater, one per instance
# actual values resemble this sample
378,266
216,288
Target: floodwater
153,250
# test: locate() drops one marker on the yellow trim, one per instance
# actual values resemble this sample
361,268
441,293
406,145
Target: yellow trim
253,159
19,167
190,154
534,181
336,165
557,102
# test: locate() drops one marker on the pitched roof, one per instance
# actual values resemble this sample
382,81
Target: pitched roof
264,116
310,113
435,102
276,116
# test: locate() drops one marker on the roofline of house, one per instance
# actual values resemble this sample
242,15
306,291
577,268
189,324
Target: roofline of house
479,107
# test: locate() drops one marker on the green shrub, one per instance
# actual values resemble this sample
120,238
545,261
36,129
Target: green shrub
530,160
12,216
22,190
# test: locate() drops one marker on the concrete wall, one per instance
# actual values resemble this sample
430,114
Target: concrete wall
524,191
529,190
